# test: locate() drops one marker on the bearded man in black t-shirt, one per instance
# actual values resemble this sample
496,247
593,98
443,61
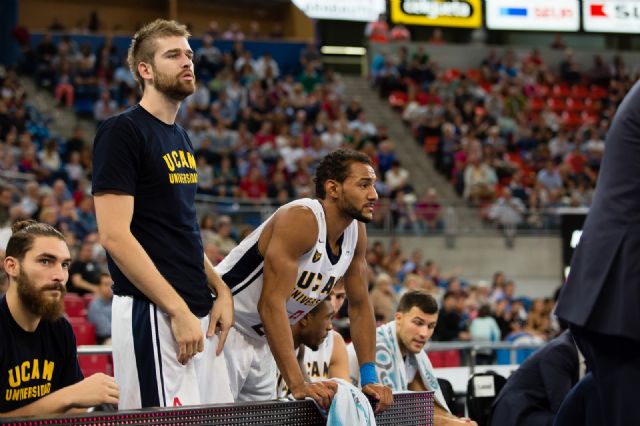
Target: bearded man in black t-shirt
39,371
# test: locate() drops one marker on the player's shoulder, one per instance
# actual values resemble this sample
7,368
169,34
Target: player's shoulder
126,122
302,211
338,340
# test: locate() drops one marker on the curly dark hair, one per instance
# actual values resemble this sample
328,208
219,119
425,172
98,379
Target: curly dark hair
335,166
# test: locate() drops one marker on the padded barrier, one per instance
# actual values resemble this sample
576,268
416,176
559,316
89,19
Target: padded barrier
408,409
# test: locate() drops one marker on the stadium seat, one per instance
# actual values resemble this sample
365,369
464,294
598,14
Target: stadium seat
445,358
482,390
579,91
85,331
598,92
557,104
88,298
571,120
590,117
575,104
537,104
91,364
74,306
452,74
560,91
398,99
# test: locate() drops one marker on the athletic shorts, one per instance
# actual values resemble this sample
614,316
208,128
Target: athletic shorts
146,367
252,369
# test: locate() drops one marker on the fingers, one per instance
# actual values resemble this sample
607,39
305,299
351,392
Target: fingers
213,322
182,353
386,398
322,394
224,332
333,386
382,394
199,346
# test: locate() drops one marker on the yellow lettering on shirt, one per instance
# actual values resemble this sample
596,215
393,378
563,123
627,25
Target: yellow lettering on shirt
19,377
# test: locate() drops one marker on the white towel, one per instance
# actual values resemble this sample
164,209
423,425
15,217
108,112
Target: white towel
350,407
390,366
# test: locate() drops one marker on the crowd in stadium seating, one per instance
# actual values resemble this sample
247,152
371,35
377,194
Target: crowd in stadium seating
259,134
513,135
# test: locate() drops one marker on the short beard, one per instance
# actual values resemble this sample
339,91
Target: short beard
353,211
36,302
173,87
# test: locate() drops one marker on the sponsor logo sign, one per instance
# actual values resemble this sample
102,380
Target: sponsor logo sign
439,13
539,15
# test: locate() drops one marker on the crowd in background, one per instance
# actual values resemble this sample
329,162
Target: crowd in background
515,137
258,134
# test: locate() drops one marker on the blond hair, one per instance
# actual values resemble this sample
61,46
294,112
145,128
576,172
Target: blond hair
143,46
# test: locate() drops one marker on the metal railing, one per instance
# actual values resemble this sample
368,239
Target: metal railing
405,219
472,347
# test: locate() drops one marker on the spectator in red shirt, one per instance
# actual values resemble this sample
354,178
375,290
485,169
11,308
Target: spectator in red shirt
253,186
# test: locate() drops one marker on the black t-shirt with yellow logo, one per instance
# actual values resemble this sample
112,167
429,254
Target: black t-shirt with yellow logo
35,364
137,154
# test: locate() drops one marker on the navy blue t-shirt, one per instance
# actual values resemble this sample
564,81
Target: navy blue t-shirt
138,154
35,364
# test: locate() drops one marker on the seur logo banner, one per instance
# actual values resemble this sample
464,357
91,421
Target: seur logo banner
539,15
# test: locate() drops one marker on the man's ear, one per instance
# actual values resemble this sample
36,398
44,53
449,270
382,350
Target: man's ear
12,266
331,188
398,316
145,70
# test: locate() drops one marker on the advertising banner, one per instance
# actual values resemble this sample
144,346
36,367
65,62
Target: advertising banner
538,15
437,13
611,16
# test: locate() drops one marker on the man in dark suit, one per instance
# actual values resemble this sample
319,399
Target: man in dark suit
601,297
534,392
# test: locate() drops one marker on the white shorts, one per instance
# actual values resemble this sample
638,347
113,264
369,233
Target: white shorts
252,369
146,366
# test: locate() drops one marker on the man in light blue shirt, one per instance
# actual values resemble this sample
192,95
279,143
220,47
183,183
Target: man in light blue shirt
100,310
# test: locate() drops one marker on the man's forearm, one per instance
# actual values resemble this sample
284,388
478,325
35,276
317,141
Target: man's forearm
281,344
213,279
57,402
363,330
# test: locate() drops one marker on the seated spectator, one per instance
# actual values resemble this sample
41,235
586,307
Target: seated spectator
378,30
104,107
479,181
233,32
429,211
450,322
39,348
507,211
99,312
484,329
383,298
550,176
208,59
397,178
267,68
84,272
401,361
400,33
436,37
222,238
534,392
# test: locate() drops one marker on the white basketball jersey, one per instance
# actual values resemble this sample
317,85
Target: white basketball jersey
318,362
318,272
